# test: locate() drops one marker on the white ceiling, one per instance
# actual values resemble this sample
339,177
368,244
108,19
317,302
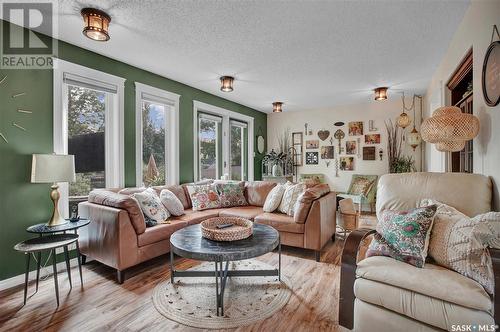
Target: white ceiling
308,54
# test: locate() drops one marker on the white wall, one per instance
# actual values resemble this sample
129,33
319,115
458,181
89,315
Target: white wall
324,119
474,32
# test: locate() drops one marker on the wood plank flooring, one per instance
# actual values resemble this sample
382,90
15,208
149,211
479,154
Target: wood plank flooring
105,305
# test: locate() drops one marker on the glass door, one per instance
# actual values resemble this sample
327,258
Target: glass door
209,146
238,150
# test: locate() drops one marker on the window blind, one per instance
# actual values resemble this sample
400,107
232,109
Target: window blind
77,80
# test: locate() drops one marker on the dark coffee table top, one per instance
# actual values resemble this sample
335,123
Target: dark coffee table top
189,243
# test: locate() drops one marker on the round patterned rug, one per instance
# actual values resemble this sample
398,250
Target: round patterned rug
191,300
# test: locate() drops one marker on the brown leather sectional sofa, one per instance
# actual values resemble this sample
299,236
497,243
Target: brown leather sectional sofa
118,236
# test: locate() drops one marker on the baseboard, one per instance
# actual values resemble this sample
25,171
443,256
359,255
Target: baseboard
19,279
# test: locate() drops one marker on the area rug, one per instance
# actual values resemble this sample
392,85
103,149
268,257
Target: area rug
191,300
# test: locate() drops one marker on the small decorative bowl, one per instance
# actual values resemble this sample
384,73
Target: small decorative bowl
241,229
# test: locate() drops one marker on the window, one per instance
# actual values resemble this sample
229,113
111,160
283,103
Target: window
156,136
88,123
209,147
238,144
221,143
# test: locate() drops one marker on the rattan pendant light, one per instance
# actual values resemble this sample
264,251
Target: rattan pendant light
449,128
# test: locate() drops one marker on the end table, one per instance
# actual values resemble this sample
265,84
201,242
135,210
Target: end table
50,242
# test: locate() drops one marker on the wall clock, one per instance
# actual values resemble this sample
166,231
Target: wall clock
14,124
491,72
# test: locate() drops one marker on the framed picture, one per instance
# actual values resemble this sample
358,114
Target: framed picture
368,153
356,128
312,144
297,141
327,152
350,147
346,163
312,158
372,139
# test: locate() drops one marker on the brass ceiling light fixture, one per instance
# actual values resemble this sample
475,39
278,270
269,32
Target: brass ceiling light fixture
277,107
226,83
96,24
381,93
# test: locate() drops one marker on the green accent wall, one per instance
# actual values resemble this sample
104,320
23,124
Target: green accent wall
22,203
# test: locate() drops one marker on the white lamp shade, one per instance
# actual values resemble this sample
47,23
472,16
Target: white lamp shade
50,168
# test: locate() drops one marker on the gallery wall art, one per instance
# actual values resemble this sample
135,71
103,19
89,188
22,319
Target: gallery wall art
372,139
356,128
368,153
327,152
350,147
312,158
312,144
347,163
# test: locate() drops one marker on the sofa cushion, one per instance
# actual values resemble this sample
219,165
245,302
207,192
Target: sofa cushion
186,192
131,190
195,217
290,196
120,201
247,212
431,280
459,243
257,191
305,200
159,232
281,222
429,310
178,191
151,205
273,200
204,197
231,194
171,202
404,235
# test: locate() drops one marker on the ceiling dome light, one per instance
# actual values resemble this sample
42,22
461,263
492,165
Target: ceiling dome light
96,24
226,83
381,93
277,107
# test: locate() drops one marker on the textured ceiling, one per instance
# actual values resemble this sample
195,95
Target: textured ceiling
308,54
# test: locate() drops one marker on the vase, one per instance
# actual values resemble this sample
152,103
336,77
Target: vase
276,170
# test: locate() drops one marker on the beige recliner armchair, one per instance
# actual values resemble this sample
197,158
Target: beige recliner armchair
383,294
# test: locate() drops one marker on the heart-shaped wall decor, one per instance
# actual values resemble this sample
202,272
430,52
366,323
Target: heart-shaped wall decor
323,134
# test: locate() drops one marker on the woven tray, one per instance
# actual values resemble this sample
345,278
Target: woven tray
242,229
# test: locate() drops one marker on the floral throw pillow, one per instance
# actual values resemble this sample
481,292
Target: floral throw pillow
151,205
361,186
404,235
231,194
204,197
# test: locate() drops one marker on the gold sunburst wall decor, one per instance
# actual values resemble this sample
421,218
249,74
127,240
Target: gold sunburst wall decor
21,111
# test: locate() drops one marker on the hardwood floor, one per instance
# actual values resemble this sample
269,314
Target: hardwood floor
104,304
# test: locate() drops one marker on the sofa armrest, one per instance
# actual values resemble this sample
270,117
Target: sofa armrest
110,237
321,222
348,275
495,259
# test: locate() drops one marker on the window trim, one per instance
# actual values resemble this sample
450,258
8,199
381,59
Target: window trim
226,115
114,169
172,128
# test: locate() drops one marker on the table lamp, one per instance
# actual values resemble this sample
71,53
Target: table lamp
53,168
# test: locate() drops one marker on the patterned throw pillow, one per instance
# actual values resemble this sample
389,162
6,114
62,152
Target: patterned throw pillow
290,196
151,205
458,242
404,235
171,202
273,199
231,194
204,197
361,186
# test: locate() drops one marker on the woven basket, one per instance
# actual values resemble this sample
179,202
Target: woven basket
242,229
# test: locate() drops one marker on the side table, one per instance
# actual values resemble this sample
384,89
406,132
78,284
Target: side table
50,242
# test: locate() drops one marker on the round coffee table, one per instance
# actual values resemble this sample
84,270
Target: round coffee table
189,243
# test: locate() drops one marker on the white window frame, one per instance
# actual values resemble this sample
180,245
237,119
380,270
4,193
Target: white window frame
217,120
242,126
114,121
227,115
171,102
